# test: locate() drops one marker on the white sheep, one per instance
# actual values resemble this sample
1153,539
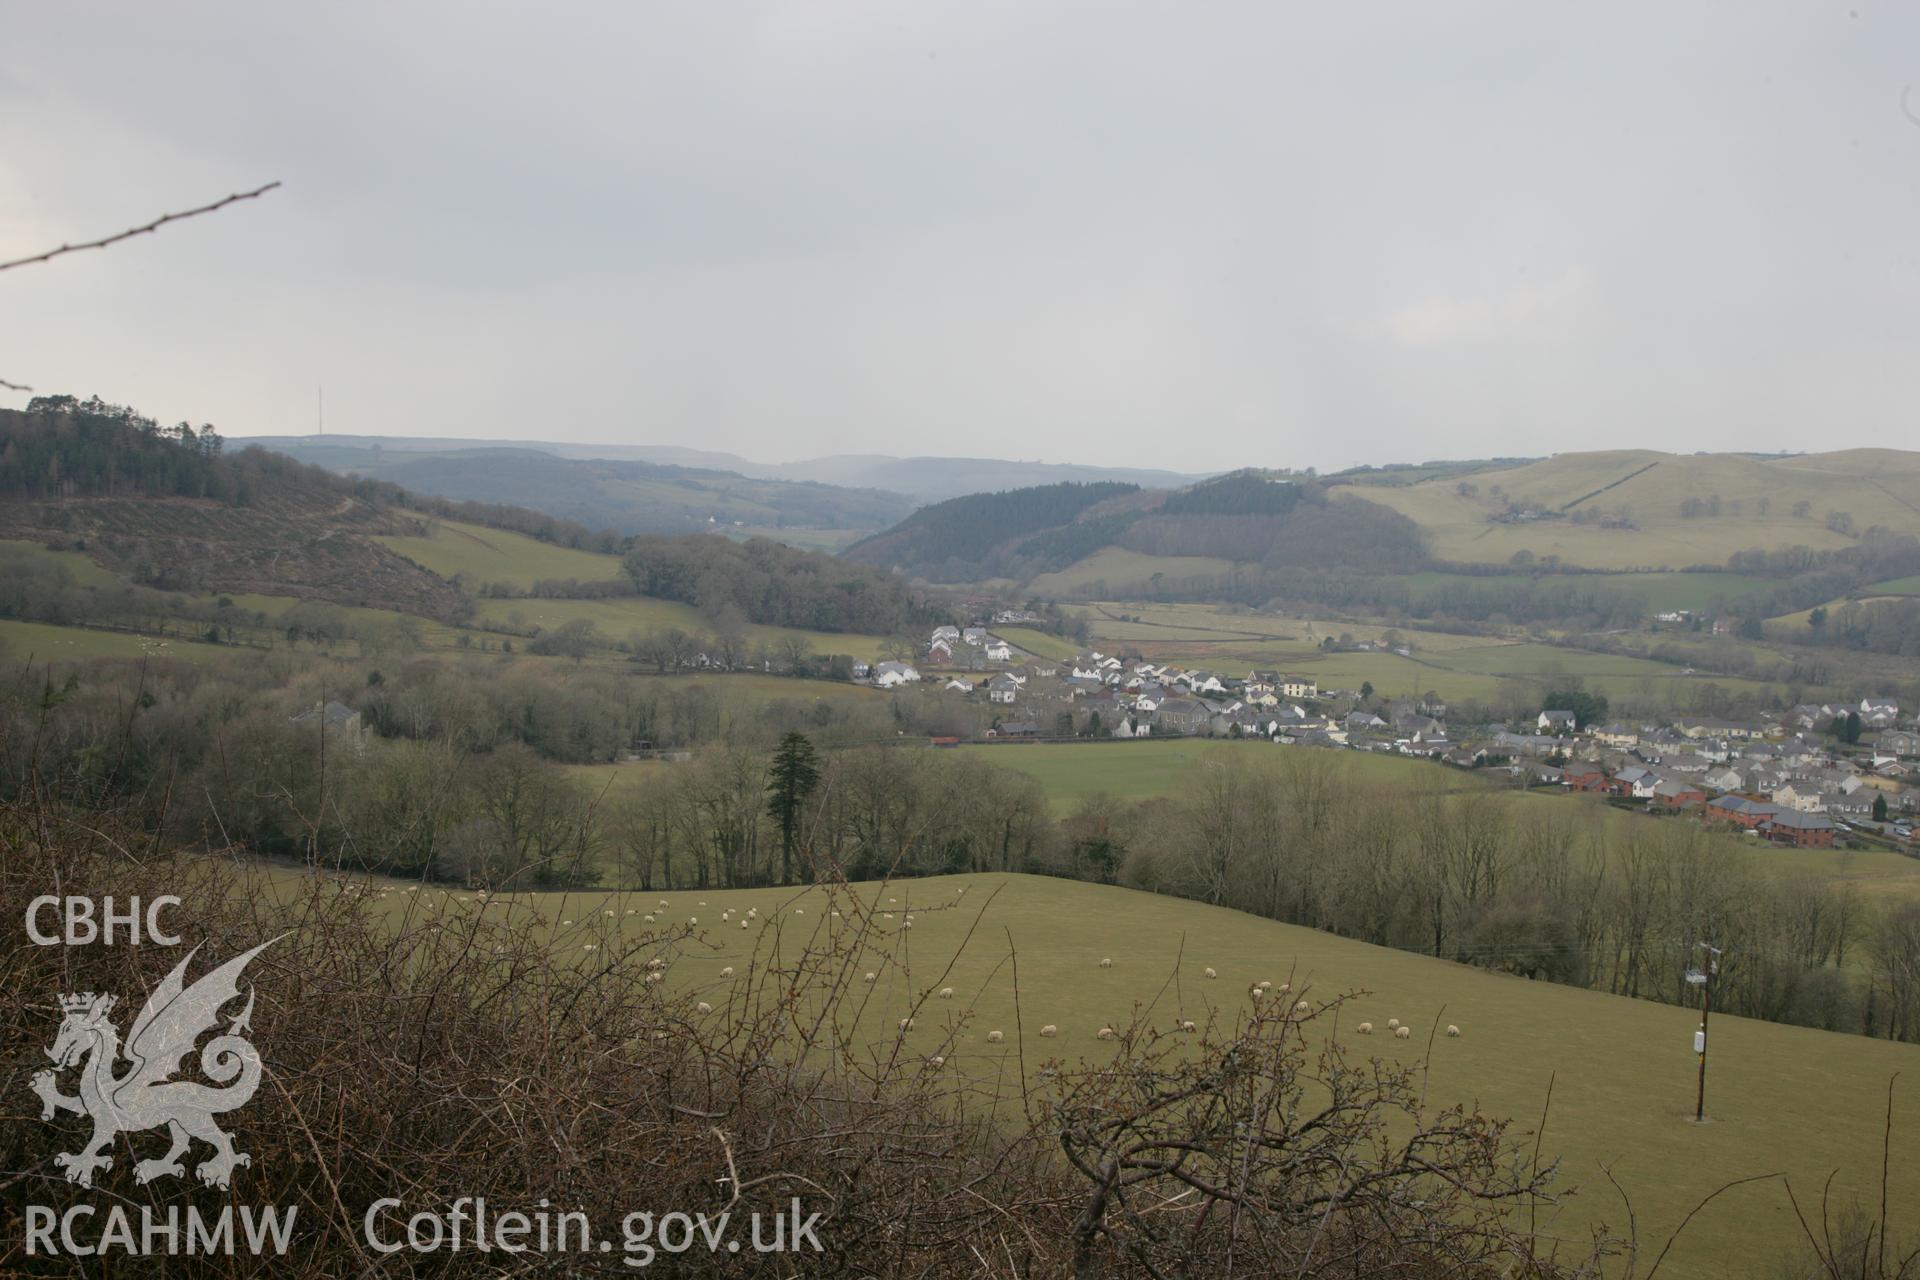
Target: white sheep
703,1007
1106,962
995,1037
1212,974
1104,1033
1402,1033
1453,1031
1049,1031
1393,1024
946,993
1365,1028
727,972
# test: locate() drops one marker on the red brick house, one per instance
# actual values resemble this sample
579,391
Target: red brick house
1582,776
1801,830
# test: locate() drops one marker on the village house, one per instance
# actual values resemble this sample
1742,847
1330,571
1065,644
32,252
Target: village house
1741,811
1618,736
1182,715
1801,830
1671,793
1584,776
1798,797
336,719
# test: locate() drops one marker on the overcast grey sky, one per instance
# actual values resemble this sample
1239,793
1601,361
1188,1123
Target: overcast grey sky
1182,235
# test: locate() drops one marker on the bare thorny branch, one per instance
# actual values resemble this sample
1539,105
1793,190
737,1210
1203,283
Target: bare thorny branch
144,229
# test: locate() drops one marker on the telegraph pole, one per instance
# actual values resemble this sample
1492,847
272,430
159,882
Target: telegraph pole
1703,978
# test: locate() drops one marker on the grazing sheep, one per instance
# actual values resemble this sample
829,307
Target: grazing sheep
1106,962
1393,1024
1186,1024
1453,1031
727,972
703,1007
995,1037
1049,1031
1365,1028
1301,1007
946,993
1212,974
1402,1033
1104,1033
870,976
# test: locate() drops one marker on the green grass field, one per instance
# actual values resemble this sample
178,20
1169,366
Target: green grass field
620,617
1781,1099
1453,666
1043,643
1757,501
495,555
1120,569
1070,772
42,642
1658,592
77,564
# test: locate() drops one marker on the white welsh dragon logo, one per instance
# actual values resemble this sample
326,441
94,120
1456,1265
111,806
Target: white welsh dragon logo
144,1097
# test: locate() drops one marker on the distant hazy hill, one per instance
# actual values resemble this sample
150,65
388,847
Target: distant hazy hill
923,479
1643,509
625,496
1100,538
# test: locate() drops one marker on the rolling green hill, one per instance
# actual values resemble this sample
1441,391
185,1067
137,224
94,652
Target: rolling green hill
1641,509
1781,1100
625,496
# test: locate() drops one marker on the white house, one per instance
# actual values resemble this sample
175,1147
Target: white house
889,675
